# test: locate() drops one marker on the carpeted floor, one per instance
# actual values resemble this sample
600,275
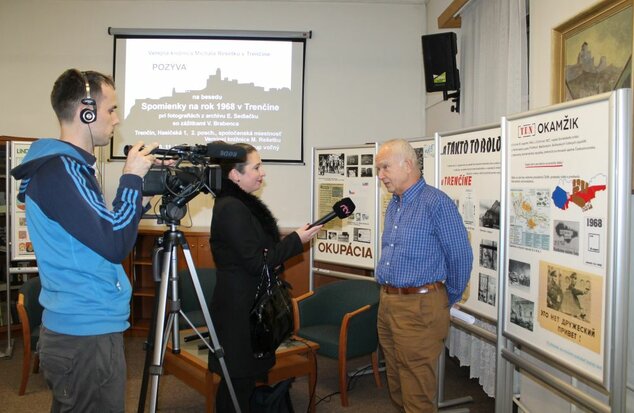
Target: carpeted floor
175,396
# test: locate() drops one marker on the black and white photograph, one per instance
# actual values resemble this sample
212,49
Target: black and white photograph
367,159
331,164
332,235
352,172
344,237
352,160
362,235
487,288
367,172
490,213
420,156
519,274
569,293
322,234
467,207
522,311
566,237
489,254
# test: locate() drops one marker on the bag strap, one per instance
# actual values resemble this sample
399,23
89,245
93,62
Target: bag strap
266,281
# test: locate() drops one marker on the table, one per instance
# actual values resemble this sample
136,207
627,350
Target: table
293,359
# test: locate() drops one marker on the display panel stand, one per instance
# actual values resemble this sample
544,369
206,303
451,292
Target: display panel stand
15,245
566,173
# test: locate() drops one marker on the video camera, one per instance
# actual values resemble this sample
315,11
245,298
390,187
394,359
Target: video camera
178,184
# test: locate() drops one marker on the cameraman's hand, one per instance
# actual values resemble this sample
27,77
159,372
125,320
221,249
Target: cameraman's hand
139,160
306,234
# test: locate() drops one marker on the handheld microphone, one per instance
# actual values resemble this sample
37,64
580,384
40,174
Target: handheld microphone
341,209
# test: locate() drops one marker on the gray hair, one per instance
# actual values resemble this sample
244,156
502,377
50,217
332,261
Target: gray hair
405,149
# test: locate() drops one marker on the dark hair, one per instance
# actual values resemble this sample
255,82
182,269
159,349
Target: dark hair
70,88
227,166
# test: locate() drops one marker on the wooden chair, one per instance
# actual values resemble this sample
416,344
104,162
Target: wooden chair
341,318
30,314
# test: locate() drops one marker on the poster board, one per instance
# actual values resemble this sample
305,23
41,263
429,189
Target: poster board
560,192
341,172
469,173
21,245
425,149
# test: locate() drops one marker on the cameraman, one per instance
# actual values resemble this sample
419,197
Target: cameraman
80,244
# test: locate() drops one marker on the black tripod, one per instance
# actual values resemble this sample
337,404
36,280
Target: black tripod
166,255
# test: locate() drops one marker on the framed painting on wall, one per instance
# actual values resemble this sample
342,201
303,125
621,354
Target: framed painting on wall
593,51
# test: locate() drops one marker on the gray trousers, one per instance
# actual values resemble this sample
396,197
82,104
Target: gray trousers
85,373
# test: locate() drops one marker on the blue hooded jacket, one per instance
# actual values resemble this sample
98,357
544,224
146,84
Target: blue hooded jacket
79,243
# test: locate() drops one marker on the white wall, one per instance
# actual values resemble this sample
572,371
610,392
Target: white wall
363,80
545,15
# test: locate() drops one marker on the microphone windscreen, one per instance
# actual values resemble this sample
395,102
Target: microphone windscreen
344,208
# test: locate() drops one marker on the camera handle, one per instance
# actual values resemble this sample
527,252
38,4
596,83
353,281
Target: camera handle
166,320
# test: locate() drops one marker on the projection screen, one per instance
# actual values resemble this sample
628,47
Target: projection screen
183,87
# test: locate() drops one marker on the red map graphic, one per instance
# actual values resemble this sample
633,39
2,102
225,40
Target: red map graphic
581,195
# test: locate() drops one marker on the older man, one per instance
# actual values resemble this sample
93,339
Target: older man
424,267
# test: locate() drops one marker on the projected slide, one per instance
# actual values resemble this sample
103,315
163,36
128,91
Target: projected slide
195,91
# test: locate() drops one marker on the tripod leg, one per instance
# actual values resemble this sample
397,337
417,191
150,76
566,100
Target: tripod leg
217,350
176,346
149,346
157,254
156,369
163,328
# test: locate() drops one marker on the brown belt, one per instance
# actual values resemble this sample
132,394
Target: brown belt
423,289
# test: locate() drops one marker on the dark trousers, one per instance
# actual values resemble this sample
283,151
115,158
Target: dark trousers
243,387
87,374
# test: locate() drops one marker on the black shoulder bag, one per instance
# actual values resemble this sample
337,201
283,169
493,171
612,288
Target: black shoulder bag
271,317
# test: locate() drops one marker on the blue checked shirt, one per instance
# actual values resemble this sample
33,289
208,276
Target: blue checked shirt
424,240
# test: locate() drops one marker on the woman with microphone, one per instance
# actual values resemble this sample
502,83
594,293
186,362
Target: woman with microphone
242,227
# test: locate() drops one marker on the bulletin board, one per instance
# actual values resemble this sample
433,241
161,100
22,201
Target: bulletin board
21,245
469,173
561,190
341,172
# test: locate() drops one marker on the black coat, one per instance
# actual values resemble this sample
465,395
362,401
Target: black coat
241,228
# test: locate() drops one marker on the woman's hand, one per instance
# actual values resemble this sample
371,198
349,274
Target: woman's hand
306,234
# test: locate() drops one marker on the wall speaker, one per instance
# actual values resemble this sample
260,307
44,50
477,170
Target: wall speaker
439,60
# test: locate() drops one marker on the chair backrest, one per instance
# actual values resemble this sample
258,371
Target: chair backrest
189,300
31,292
340,297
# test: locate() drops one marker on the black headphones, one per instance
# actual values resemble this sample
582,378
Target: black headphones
88,116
